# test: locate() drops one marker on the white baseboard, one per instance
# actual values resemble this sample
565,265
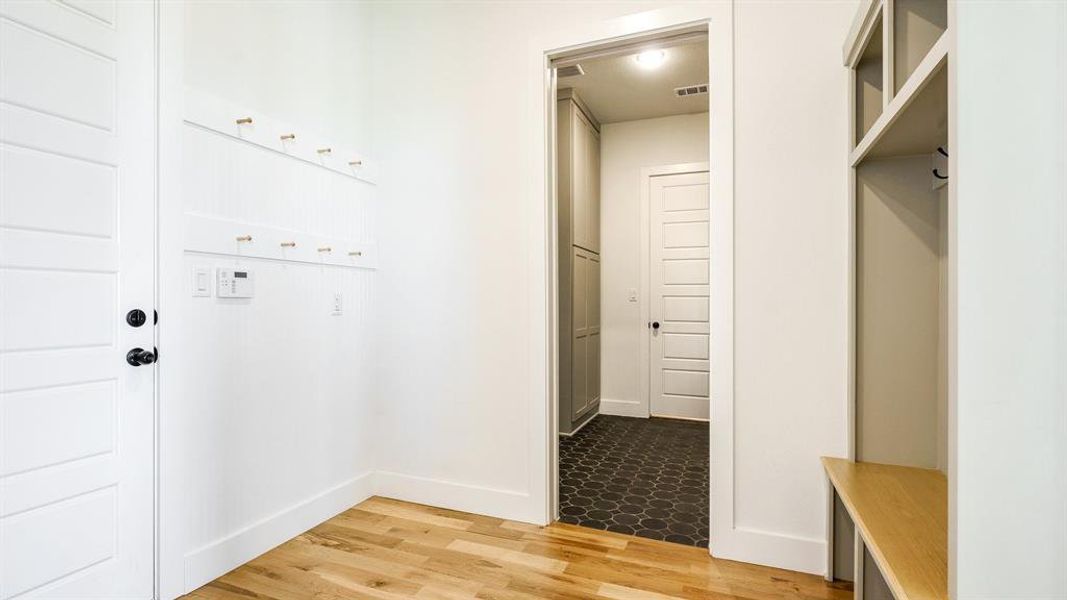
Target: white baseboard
771,550
503,504
677,418
622,408
225,554
221,556
588,419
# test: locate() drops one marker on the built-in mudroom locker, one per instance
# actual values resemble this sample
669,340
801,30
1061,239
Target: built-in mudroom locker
578,194
888,516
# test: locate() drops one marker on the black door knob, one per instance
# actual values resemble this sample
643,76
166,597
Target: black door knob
655,324
140,356
136,318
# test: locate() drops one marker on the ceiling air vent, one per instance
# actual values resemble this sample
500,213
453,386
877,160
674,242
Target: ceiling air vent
571,71
691,90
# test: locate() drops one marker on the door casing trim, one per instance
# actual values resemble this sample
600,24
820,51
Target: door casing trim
718,20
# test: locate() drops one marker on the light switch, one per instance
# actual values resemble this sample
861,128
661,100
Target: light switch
201,282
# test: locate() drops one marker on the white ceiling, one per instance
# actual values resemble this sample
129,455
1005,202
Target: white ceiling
616,89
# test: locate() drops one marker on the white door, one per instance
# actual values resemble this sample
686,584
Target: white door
679,273
77,212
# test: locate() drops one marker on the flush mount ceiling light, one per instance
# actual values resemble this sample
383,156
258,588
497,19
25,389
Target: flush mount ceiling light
651,59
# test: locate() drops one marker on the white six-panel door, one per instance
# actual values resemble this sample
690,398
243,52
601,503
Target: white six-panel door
77,212
679,286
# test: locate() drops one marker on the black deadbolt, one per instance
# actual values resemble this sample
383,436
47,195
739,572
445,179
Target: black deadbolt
655,324
136,317
140,356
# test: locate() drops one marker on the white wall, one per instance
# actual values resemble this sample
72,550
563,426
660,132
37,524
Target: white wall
451,108
267,403
1010,407
254,427
790,267
251,459
287,58
625,148
456,282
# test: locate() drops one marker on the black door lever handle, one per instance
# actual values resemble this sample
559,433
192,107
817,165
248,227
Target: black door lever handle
139,356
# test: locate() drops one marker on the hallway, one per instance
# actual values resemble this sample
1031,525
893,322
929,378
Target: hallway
647,477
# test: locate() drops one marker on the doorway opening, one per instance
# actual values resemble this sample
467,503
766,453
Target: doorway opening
631,177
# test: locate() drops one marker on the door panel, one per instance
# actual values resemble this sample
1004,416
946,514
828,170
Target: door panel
85,94
685,272
680,274
593,167
580,179
585,174
686,234
593,309
580,336
41,428
77,214
30,198
683,346
585,357
685,308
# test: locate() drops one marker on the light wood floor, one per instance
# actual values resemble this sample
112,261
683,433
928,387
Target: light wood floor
387,549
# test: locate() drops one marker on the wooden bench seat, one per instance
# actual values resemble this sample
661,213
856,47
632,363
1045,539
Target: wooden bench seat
901,516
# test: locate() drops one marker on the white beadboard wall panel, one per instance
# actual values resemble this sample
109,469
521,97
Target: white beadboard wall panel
277,388
206,235
269,133
202,564
268,401
234,181
279,383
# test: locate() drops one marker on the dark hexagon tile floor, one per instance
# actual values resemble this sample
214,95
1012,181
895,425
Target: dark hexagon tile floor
646,477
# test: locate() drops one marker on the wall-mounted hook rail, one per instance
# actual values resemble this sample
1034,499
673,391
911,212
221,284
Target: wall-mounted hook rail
212,235
207,112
